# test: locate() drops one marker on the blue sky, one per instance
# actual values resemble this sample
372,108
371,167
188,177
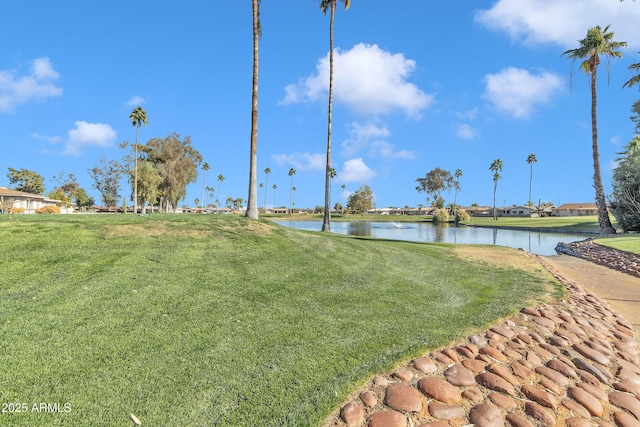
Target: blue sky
420,85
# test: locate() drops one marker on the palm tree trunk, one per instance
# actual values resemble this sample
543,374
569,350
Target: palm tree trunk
326,223
252,210
495,212
603,214
530,181
135,175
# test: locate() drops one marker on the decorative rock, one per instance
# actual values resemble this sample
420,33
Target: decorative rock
587,400
380,381
518,421
387,419
474,365
503,372
425,365
403,398
443,411
439,389
588,378
503,401
458,375
436,424
575,407
563,368
592,354
451,354
540,396
553,375
539,413
369,398
352,414
628,387
524,338
464,351
623,419
403,374
485,415
550,348
551,386
493,353
504,331
594,391
543,321
442,358
626,401
521,370
573,328
541,352
494,382
473,395
578,422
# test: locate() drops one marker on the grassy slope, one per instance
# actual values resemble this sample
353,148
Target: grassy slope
628,243
567,223
217,320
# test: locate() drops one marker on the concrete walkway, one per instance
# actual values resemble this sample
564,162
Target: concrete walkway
572,363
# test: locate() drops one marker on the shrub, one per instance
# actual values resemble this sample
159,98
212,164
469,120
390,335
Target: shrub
441,216
462,216
48,210
16,210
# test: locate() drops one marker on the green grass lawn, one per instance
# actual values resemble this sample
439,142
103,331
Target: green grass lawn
572,224
193,320
628,243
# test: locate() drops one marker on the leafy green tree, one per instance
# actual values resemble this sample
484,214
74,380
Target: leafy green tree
496,168
331,6
434,183
106,179
598,42
252,209
83,200
205,167
178,162
531,159
149,181
70,191
635,109
267,171
292,172
361,200
625,198
138,117
26,181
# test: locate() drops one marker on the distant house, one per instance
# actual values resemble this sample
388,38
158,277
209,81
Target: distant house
12,201
520,211
478,210
575,209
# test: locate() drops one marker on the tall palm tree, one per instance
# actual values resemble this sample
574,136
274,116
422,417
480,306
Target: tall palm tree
343,186
292,172
220,181
635,79
275,187
324,6
252,207
138,116
531,159
210,191
597,42
205,168
496,168
267,171
456,185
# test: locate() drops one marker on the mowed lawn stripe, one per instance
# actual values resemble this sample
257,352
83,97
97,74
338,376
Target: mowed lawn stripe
219,320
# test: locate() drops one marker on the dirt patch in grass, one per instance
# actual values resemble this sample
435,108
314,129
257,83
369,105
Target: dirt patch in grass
500,257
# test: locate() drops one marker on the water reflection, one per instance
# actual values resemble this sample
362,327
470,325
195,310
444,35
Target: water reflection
532,241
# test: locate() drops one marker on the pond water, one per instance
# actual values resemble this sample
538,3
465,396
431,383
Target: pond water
541,243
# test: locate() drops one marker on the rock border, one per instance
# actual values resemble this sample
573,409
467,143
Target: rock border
572,363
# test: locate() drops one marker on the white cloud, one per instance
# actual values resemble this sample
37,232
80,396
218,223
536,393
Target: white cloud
466,131
302,161
49,139
136,101
562,22
367,137
355,170
37,85
367,79
89,135
469,114
517,91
